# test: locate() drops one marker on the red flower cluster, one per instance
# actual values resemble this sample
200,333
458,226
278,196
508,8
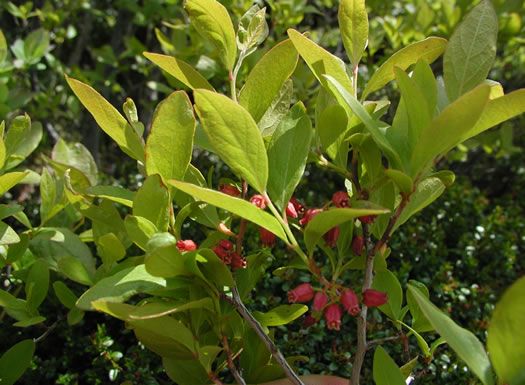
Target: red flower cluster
224,250
341,199
267,237
350,302
302,293
186,245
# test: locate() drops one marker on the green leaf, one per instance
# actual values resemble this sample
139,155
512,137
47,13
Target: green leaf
427,191
353,25
37,284
170,142
30,321
160,309
110,249
36,44
214,269
72,268
253,29
386,371
287,154
246,279
387,282
324,221
267,78
180,70
371,124
235,205
64,294
505,330
332,127
109,119
419,321
9,302
234,136
139,229
321,62
3,47
462,341
471,50
16,251
74,316
445,131
15,361
77,156
113,193
130,110
281,315
210,18
52,196
420,340
75,180
188,372
152,202
18,130
277,110
121,286
11,179
163,258
8,236
429,50
26,147
496,111
407,369
404,183
207,355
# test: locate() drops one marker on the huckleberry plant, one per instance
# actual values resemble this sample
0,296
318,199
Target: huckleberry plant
191,309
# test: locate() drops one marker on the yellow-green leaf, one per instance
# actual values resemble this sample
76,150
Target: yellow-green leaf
353,24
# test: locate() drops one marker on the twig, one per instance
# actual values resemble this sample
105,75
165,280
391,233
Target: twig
231,364
381,340
49,330
276,353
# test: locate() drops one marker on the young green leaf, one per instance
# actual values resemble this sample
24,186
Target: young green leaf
3,47
332,128
170,142
8,236
462,341
235,205
267,78
37,284
113,193
11,179
130,110
110,249
210,18
404,183
471,50
73,268
26,147
77,156
139,229
152,202
109,119
253,29
281,315
36,44
234,136
180,70
15,361
18,130
386,371
353,24
505,330
429,50
277,110
287,154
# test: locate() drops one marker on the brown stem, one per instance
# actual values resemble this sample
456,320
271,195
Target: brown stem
229,359
242,227
215,380
48,330
386,339
256,326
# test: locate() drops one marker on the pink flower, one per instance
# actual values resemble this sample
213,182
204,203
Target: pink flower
310,213
374,298
228,189
299,207
186,245
331,237
237,262
341,199
357,245
350,302
267,237
332,314
320,300
290,210
225,244
302,293
258,200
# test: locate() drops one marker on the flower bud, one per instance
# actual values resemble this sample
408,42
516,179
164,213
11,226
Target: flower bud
267,237
290,210
302,293
310,213
320,300
367,219
373,298
309,321
341,199
226,244
186,245
228,189
350,302
332,314
237,262
299,207
357,245
259,201
331,237
223,254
